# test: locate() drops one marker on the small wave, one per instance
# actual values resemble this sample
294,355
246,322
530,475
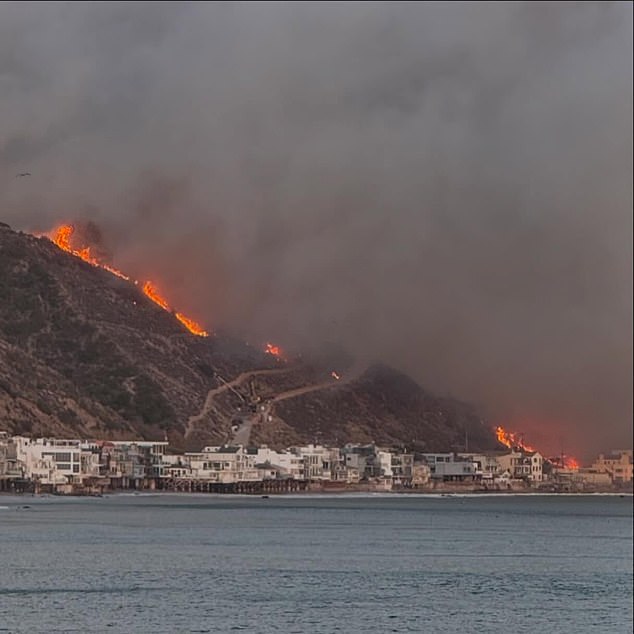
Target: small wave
38,591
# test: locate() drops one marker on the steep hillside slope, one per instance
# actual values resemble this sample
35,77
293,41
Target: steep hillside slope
386,407
86,353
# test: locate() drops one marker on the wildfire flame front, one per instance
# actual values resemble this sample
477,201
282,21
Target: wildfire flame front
513,440
62,237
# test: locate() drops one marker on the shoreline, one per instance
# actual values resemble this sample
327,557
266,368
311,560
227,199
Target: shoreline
322,494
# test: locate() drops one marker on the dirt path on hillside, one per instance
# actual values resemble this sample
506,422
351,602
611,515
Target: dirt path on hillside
348,377
208,404
243,434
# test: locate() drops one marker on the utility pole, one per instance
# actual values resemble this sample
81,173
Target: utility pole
561,442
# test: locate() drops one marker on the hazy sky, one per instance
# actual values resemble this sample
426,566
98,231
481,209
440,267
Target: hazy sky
445,187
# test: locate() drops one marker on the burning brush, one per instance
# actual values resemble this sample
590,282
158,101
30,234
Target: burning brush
66,238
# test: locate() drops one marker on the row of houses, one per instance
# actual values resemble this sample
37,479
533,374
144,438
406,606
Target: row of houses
58,463
147,464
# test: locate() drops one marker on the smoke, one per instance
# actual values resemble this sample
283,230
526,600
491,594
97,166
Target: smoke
445,187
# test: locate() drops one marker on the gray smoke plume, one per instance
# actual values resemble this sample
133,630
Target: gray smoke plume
445,187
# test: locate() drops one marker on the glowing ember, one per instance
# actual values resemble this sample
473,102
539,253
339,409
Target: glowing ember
276,351
334,375
62,237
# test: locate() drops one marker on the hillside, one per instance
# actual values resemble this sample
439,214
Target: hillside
84,353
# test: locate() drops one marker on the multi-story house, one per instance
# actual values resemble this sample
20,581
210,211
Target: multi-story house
402,468
618,464
10,468
279,465
448,467
224,465
487,465
149,453
176,466
49,460
320,463
522,465
122,463
361,462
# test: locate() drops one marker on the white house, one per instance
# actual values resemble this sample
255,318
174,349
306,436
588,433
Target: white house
285,464
49,460
224,465
320,463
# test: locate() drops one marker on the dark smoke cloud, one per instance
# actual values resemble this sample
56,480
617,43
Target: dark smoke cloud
446,187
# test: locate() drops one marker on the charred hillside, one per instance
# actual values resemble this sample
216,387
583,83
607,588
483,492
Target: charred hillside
86,353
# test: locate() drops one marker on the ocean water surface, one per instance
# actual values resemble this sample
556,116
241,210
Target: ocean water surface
319,564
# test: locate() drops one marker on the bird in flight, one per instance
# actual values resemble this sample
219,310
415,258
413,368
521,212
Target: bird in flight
23,174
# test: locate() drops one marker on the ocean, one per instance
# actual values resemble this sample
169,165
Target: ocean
316,563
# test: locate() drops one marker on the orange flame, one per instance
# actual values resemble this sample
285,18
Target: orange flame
276,351
193,327
511,439
515,441
152,292
62,238
564,462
